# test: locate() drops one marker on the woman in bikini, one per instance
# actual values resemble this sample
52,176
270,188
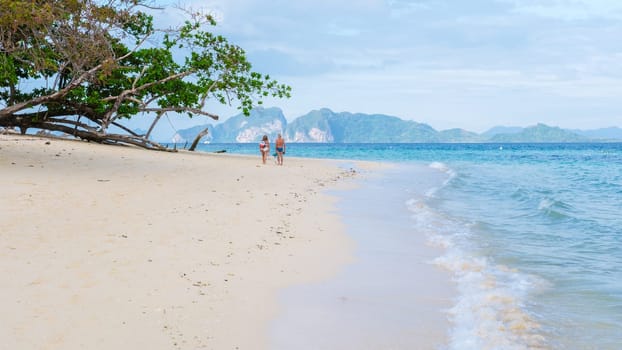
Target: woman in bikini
264,148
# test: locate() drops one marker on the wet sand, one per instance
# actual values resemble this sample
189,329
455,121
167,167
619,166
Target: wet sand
392,296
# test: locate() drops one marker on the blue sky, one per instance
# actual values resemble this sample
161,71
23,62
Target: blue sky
448,63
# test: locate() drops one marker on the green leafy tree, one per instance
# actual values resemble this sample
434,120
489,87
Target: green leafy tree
96,65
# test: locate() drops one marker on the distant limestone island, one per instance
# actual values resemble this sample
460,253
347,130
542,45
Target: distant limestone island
326,126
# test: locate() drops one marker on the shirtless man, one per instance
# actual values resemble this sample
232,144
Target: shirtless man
279,144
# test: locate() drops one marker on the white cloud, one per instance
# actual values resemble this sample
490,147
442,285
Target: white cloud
406,7
570,9
336,29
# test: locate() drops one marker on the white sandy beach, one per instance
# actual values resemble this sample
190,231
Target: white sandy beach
108,247
111,247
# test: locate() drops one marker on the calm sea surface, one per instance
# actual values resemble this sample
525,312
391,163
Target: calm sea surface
532,234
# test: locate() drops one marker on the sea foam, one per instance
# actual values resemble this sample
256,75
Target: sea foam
489,311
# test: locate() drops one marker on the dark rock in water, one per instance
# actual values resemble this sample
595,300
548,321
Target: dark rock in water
221,151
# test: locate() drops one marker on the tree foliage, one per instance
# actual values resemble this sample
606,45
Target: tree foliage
96,64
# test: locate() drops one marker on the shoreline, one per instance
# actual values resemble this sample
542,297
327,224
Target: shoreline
118,247
393,295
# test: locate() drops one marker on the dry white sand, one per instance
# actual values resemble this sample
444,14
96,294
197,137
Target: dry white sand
108,247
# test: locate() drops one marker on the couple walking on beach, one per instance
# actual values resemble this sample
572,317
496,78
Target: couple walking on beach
264,148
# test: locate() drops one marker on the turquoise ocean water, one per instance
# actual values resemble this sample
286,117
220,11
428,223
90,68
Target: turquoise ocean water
532,234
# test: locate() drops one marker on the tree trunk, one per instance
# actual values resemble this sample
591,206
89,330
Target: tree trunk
196,139
153,125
